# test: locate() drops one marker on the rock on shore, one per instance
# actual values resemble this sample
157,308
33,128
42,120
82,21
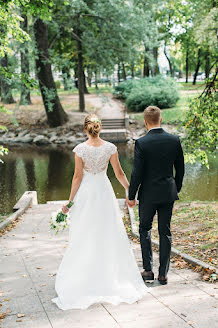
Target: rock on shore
56,136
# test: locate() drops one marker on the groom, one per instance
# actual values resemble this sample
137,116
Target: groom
157,154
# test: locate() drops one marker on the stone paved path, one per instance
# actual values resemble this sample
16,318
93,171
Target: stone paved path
29,258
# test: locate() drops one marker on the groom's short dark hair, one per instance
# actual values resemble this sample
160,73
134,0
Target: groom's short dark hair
152,114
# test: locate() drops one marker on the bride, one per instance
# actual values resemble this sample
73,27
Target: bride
99,264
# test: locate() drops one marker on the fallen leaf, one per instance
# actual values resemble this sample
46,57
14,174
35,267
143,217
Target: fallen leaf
20,315
38,267
190,322
6,299
42,285
19,320
3,315
206,277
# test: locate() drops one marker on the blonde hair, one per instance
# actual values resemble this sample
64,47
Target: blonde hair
152,114
92,125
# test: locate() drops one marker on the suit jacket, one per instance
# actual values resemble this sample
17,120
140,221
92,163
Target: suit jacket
156,156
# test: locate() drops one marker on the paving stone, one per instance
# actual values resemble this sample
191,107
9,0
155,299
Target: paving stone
30,255
35,320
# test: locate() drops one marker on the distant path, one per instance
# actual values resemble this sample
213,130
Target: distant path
107,107
29,259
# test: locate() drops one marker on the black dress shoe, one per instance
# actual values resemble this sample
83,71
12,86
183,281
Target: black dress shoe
162,280
147,275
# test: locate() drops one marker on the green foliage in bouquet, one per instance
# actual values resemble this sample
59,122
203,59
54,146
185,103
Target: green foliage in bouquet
201,124
59,220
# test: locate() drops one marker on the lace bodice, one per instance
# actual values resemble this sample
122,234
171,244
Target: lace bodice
95,159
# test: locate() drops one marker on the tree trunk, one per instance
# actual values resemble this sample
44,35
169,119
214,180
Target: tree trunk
187,63
80,73
133,70
54,111
197,67
86,91
118,73
89,78
6,92
96,80
25,67
155,69
123,71
76,75
146,68
66,77
169,61
207,64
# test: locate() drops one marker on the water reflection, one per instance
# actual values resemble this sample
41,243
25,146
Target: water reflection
49,172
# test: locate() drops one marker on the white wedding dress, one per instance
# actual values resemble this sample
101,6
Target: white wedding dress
99,264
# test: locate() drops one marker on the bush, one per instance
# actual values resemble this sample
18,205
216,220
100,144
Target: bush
123,89
139,94
58,84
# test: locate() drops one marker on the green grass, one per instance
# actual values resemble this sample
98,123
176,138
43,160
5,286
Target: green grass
73,91
172,115
189,86
3,217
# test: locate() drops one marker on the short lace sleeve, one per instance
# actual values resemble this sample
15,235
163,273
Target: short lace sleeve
78,150
113,149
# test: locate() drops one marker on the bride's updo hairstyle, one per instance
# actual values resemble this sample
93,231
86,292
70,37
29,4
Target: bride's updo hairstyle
92,125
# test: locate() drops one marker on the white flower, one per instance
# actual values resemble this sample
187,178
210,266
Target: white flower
95,119
68,221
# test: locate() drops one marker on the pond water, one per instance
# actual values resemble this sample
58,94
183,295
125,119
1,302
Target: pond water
49,172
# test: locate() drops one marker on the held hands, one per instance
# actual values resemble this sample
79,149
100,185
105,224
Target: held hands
131,203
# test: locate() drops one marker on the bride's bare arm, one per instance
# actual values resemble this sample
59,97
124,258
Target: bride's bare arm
120,175
77,178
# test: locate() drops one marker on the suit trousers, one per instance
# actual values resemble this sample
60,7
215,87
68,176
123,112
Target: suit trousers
146,215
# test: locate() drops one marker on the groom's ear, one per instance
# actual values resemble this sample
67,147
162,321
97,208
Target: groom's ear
161,119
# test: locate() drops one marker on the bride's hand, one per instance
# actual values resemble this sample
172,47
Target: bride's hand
65,209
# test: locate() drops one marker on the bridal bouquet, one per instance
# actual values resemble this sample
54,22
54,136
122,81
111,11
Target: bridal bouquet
59,220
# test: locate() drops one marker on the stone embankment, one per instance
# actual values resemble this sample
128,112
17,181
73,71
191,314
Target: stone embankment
55,136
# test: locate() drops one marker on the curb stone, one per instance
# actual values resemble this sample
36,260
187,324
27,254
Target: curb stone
26,200
174,251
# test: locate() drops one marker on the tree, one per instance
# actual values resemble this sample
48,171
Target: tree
197,66
201,124
6,91
54,111
206,33
25,69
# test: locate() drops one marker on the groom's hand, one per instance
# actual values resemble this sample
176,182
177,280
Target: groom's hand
130,203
